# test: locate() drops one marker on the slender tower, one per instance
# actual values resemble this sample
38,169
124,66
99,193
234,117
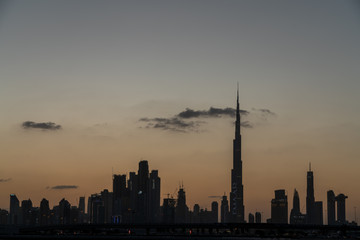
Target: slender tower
237,188
310,198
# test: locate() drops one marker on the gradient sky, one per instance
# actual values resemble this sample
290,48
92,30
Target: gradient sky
97,67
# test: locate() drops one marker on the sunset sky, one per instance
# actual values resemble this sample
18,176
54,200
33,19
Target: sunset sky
116,77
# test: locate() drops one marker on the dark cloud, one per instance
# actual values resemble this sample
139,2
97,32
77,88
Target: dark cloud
5,180
172,124
61,187
181,122
43,125
212,112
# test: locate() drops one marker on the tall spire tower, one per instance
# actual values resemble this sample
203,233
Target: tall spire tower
237,188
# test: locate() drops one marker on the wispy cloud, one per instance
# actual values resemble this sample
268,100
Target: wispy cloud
41,125
173,124
61,187
181,122
265,113
212,112
2,180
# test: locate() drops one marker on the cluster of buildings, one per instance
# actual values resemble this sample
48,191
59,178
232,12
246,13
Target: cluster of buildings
137,200
133,200
314,209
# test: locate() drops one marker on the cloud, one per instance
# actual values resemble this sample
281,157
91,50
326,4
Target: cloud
43,125
173,124
212,112
61,187
2,180
264,113
181,122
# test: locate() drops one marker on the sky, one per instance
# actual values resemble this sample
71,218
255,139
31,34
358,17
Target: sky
90,88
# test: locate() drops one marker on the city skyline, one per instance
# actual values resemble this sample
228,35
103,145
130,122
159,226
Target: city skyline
125,81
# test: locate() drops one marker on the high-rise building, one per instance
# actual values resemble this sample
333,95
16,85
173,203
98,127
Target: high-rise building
237,188
26,207
64,212
119,192
215,212
318,213
154,196
169,210
224,209
44,212
258,217
296,217
251,218
181,209
310,198
14,210
82,210
331,207
142,201
341,217
279,207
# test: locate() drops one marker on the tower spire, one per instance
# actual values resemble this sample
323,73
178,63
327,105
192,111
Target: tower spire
237,124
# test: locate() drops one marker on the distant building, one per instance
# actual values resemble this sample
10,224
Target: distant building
26,207
318,213
4,217
296,217
251,218
224,209
258,217
331,207
215,212
154,197
44,212
181,209
279,207
82,214
341,217
237,189
64,212
169,210
310,198
14,210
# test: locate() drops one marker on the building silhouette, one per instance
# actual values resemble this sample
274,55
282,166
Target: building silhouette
181,210
224,210
257,217
340,200
279,207
44,212
331,207
154,196
314,210
310,198
14,210
215,212
251,218
296,217
237,188
168,210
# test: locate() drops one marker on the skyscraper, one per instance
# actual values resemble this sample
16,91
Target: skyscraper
279,207
181,209
310,198
296,217
224,209
237,189
154,196
331,207
340,199
14,209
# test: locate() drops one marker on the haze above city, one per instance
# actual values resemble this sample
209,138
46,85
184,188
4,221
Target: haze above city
116,79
